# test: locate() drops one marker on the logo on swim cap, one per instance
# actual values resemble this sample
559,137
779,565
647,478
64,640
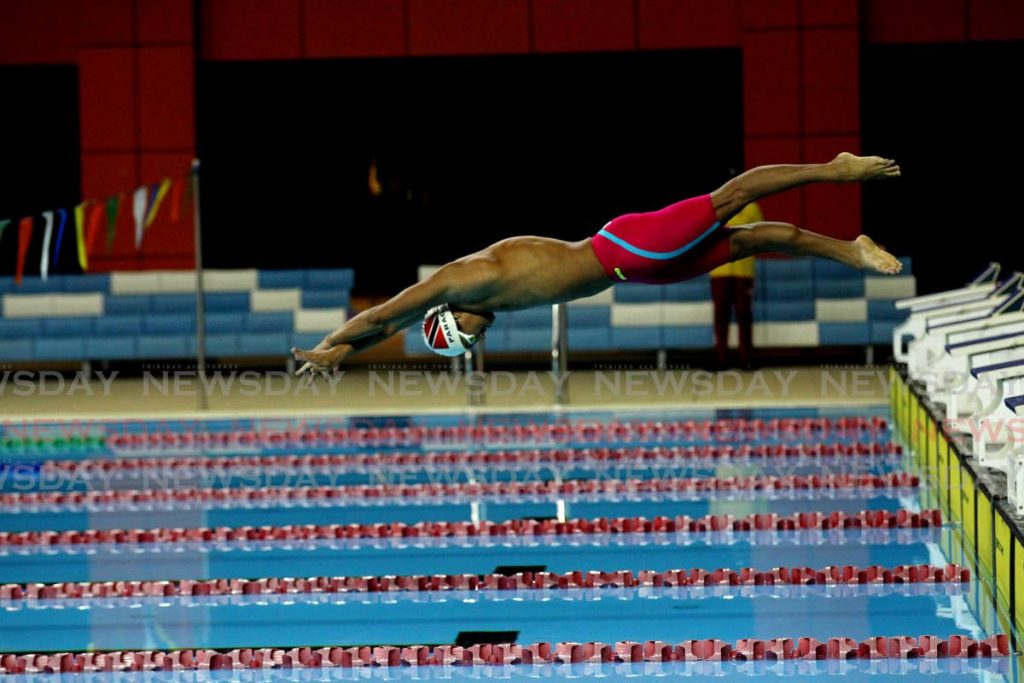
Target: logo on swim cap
441,333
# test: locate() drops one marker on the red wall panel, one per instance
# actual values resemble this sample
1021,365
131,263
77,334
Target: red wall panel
582,25
996,20
829,13
667,24
831,80
787,206
354,28
108,95
105,174
38,31
106,23
163,21
241,29
832,209
771,75
469,26
914,21
759,14
166,105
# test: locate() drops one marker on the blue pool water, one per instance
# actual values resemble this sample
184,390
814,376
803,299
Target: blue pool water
728,613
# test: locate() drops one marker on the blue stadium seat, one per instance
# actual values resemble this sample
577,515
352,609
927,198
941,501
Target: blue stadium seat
688,337
225,322
780,270
881,332
825,269
787,289
413,342
220,344
163,346
264,344
87,282
325,298
883,310
760,309
529,338
69,327
839,288
341,278
590,338
14,349
496,338
307,340
110,347
58,348
788,310
280,279
115,304
589,316
172,303
113,325
844,334
222,302
269,322
169,323
635,338
7,284
20,327
637,292
531,317
697,289
37,285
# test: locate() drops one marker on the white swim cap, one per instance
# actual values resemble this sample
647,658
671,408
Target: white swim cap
442,335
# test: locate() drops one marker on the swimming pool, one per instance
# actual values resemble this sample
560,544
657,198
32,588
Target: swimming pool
488,527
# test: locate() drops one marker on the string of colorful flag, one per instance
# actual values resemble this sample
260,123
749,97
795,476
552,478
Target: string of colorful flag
88,217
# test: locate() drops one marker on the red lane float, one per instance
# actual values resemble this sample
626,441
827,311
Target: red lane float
900,647
288,494
866,519
793,576
341,462
559,432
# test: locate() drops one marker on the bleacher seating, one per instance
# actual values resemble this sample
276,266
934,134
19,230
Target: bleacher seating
151,315
797,303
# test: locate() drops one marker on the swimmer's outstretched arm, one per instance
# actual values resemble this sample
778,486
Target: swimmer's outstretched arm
459,281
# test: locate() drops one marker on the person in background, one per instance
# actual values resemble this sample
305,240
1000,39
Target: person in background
732,288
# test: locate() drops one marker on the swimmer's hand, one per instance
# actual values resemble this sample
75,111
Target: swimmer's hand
323,358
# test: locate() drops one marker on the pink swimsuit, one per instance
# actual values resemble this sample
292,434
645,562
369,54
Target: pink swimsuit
679,242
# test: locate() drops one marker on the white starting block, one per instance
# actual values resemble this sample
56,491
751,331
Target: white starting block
997,435
982,393
978,289
979,320
1015,480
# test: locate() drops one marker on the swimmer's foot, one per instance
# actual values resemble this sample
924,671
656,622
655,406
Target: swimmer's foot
850,168
870,256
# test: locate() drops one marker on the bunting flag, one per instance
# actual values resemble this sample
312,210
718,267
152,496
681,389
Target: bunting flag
63,214
83,257
113,209
158,192
3,226
44,259
177,191
24,237
139,200
96,213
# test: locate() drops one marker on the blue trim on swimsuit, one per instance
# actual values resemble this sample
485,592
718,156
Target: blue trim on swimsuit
657,255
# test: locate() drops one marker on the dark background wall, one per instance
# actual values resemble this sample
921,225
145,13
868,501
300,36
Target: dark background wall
807,69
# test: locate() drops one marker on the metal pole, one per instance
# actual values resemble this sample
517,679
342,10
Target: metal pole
559,351
204,401
474,361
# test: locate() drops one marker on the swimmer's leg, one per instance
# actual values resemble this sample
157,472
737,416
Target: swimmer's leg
861,253
765,180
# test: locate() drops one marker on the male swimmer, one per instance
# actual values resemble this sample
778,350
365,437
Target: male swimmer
681,241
